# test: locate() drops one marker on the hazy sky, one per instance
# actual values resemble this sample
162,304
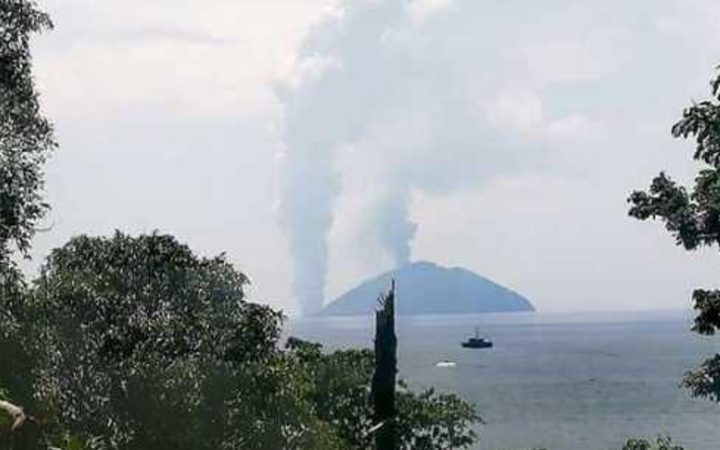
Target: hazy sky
499,136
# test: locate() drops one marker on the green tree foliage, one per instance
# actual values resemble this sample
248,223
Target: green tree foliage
338,388
661,443
693,218
430,420
26,137
384,381
137,343
140,344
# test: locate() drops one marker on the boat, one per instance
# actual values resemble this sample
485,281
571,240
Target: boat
445,364
477,341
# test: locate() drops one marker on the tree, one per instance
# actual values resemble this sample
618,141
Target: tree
141,344
384,379
26,137
661,443
430,420
138,343
693,219
337,385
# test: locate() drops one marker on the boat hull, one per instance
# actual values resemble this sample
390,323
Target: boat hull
479,345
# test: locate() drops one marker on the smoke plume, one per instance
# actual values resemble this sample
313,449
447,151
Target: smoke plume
400,92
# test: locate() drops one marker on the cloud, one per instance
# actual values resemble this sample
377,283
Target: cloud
517,110
422,10
572,127
575,57
183,57
180,77
521,111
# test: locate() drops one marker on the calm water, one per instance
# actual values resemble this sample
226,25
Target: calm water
565,382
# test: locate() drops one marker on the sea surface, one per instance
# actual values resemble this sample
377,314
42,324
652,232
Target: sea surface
557,381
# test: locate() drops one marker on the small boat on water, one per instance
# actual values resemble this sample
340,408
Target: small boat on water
445,364
477,341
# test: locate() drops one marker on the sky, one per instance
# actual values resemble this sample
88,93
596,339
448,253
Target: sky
319,142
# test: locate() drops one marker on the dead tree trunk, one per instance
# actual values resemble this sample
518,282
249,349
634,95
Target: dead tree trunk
383,382
22,431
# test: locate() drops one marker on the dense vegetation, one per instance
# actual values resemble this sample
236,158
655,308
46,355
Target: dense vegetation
136,343
26,137
661,443
693,218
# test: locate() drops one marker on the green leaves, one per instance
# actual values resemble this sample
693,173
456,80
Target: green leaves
700,122
131,331
661,443
704,381
707,304
338,388
73,443
694,220
431,420
671,203
137,343
26,137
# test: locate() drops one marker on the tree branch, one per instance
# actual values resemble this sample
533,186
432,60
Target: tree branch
16,413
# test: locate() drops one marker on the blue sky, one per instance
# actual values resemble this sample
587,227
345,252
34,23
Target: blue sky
499,136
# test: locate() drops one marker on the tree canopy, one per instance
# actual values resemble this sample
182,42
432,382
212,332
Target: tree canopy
26,136
661,443
141,344
339,391
136,343
26,139
692,216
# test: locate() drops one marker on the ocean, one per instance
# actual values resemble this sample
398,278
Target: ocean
557,381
